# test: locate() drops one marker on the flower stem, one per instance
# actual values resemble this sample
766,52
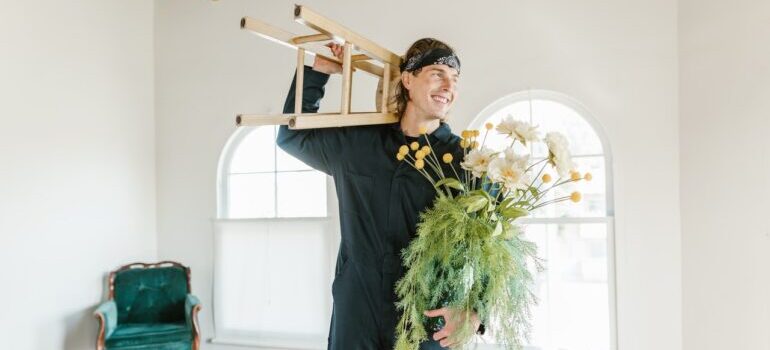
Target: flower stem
526,194
557,200
536,163
432,153
455,171
557,184
424,173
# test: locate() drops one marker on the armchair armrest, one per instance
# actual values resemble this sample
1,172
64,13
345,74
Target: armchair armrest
191,308
107,313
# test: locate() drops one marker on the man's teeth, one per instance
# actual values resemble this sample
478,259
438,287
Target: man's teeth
440,99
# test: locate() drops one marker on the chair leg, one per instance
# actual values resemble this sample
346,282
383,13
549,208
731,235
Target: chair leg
100,335
196,345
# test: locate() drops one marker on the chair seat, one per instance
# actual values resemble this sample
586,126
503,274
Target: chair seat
135,335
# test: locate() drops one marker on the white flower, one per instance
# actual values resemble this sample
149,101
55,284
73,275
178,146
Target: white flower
510,170
477,161
518,130
558,153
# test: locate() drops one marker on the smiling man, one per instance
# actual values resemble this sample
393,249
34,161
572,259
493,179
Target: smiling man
380,198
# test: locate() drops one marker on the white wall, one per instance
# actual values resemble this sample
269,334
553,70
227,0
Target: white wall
619,58
725,183
77,149
77,169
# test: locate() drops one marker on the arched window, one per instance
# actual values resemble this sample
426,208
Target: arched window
576,293
274,245
259,180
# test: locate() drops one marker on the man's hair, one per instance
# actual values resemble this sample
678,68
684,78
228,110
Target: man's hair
401,94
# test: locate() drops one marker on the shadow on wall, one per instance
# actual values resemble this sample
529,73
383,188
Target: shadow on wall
80,328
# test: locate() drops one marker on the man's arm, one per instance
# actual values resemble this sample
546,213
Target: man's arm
317,148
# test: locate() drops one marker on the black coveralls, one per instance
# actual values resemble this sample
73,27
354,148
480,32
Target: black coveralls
380,199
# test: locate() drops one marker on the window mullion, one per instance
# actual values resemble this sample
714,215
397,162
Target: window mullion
275,173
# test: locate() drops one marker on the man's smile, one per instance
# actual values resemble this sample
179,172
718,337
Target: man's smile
440,99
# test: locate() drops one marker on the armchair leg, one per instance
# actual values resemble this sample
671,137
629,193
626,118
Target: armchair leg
100,335
196,345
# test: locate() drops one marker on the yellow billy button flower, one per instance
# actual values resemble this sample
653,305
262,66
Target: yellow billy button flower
588,176
576,196
476,133
489,126
464,144
575,175
466,134
419,154
475,144
447,158
425,149
546,178
403,149
422,130
414,146
400,156
419,164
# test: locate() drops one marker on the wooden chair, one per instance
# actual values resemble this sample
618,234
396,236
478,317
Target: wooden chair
359,53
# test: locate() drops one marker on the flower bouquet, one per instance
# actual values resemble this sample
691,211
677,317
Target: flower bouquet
469,254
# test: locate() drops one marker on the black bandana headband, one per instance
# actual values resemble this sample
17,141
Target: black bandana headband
435,56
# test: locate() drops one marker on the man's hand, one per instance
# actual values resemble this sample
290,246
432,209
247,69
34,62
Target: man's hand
323,65
453,319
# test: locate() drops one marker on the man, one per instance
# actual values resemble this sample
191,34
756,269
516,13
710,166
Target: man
380,198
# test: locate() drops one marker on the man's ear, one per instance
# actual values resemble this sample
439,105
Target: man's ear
406,79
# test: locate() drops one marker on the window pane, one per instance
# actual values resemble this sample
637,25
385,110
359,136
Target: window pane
519,110
553,116
255,152
301,194
272,279
594,201
573,292
251,195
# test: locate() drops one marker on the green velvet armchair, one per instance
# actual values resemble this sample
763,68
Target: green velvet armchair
149,307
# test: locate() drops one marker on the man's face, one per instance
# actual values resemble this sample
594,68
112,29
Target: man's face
433,91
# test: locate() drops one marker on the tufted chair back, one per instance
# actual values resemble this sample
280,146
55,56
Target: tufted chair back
150,293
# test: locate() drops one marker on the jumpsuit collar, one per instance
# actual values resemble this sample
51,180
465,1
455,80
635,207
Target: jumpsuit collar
443,133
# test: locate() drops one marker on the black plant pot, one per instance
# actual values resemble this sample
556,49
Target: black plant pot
435,324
